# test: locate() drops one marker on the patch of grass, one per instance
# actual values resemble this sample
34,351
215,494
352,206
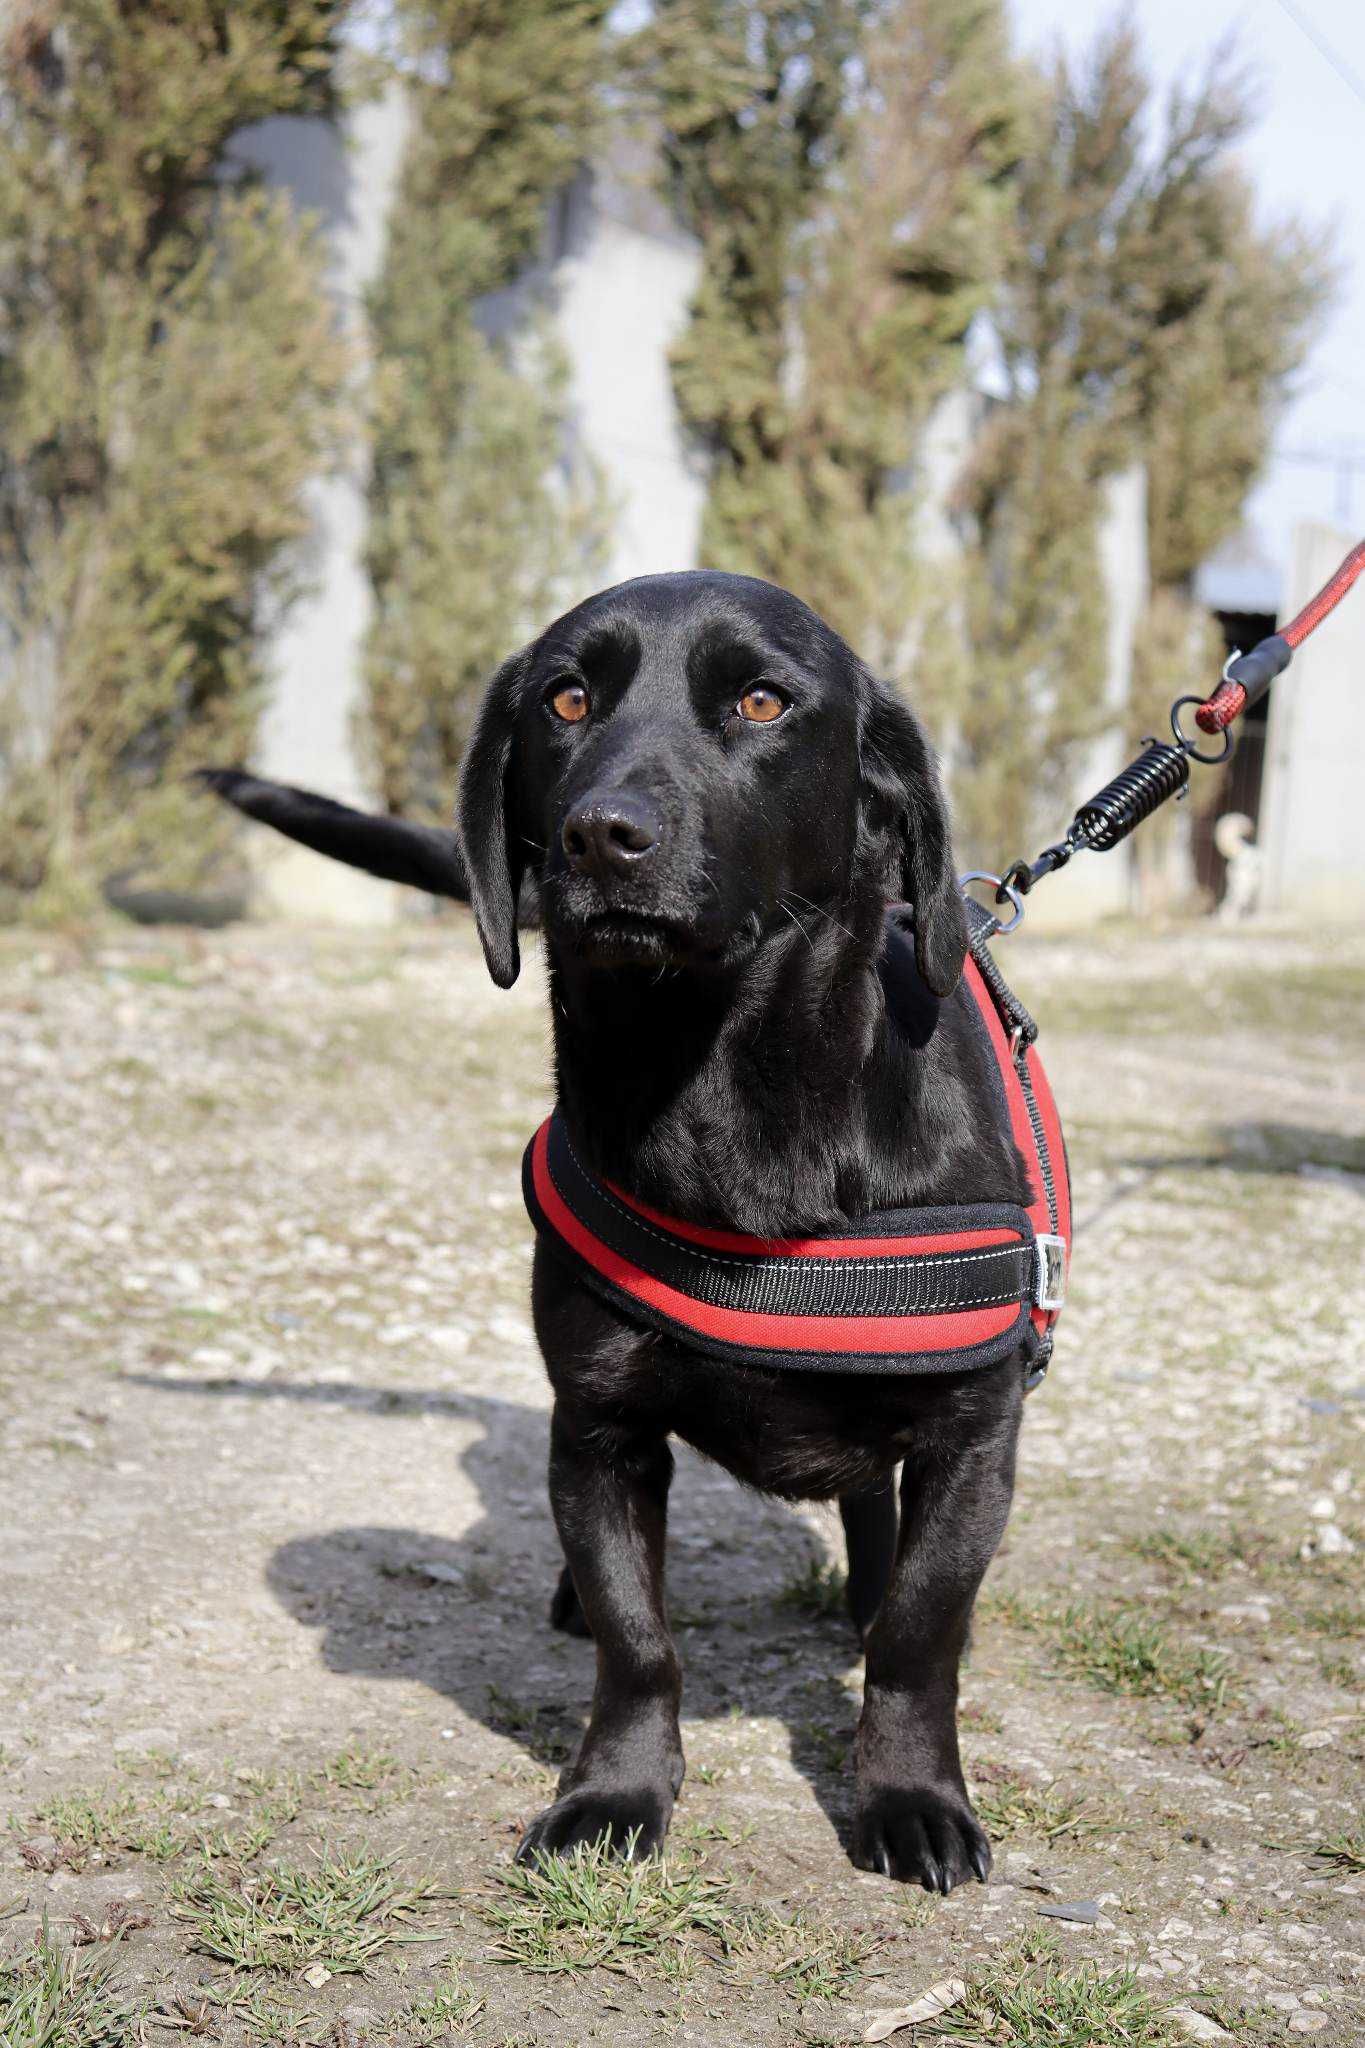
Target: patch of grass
1343,1851
1339,1671
592,1910
340,1911
1124,1650
539,1728
112,1822
1031,1997
820,1591
1008,1804
976,1714
1342,1618
826,1747
266,2020
717,1829
242,1845
82,1821
361,1770
448,2008
141,1824
51,1999
1207,1554
806,1959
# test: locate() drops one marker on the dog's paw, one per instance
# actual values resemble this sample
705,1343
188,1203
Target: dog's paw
633,1822
921,1837
566,1612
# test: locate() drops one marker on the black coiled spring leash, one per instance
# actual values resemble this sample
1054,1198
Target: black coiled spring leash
1162,769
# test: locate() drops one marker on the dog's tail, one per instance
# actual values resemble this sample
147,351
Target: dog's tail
422,856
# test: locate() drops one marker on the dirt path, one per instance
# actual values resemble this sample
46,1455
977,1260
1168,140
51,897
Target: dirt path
276,1552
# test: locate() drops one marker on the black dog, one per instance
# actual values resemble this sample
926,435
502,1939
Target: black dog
711,801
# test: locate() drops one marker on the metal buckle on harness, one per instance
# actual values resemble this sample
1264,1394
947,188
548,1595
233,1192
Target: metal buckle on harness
1049,1285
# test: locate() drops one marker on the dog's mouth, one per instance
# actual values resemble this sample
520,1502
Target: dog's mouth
618,938
644,938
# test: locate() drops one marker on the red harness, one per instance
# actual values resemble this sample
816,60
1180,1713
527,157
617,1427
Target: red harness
900,1290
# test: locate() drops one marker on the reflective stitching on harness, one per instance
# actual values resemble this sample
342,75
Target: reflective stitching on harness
1021,1294
780,1264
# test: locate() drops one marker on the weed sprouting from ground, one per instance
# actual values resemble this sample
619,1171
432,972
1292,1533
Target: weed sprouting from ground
1209,1553
1339,1619
594,1910
1124,1650
52,1999
447,2009
82,1821
362,1770
539,1728
1031,1997
820,1591
1009,1804
806,1959
1344,1851
340,1911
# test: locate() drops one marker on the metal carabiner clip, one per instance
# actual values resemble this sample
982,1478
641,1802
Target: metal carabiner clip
1004,892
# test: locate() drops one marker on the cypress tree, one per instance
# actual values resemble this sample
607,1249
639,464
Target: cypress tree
169,379
481,521
901,259
751,97
1144,317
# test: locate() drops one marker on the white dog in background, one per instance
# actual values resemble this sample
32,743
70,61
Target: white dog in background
1232,838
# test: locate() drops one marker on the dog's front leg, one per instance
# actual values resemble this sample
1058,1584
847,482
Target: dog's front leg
609,1491
912,1817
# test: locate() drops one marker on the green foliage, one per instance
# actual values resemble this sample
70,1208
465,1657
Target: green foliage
1144,317
170,380
593,1910
476,532
844,164
899,261
341,1911
1032,1996
52,1999
751,96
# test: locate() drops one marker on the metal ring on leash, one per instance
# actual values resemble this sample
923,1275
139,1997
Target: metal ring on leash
1188,745
1004,892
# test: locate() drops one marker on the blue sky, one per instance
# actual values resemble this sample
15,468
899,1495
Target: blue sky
1306,156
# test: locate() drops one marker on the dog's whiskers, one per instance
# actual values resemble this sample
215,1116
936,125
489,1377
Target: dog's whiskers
788,912
819,912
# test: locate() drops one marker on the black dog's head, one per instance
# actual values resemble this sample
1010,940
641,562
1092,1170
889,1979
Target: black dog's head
683,760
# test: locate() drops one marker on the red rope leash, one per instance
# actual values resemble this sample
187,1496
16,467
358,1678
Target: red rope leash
1327,599
1249,676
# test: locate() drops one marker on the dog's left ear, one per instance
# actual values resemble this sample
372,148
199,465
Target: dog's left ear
486,819
906,809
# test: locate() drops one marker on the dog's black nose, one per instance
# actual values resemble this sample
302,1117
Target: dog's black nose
610,835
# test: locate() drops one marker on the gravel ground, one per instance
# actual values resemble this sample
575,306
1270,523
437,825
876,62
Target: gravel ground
276,1550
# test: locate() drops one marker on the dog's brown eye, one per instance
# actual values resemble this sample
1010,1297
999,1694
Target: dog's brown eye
570,703
760,705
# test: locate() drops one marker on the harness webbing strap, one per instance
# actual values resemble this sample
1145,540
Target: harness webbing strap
908,1290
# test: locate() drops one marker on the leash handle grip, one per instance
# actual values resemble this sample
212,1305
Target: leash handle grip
1248,676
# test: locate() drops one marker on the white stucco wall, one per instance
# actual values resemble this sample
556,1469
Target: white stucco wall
345,176
1101,884
1312,808
623,295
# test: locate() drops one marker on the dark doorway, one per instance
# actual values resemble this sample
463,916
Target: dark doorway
1236,787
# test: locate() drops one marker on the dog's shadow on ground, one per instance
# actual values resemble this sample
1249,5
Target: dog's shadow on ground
468,1616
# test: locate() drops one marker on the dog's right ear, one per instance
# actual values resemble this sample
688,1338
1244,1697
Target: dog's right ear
493,854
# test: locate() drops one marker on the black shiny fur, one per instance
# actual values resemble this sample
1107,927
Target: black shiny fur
712,895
